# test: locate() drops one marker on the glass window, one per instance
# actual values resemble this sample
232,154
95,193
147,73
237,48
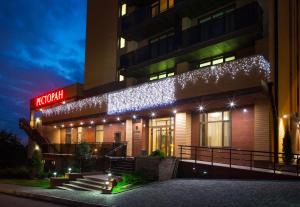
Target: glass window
163,5
99,133
155,9
123,9
68,135
163,75
121,78
218,61
229,58
79,134
215,129
122,42
205,64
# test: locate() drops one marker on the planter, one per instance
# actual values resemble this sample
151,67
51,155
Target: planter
155,168
73,176
57,181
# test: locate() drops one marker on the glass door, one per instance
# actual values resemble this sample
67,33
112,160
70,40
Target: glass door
161,135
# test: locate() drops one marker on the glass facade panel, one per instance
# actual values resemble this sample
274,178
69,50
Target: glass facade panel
79,134
99,133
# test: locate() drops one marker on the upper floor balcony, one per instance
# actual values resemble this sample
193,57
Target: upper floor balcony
219,35
148,20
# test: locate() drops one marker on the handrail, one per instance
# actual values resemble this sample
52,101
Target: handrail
239,157
115,149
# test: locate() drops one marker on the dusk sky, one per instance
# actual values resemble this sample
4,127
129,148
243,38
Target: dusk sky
42,45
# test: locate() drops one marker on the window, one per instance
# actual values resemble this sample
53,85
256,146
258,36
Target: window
122,42
121,78
215,129
79,134
229,58
99,133
161,75
217,61
123,9
68,136
161,6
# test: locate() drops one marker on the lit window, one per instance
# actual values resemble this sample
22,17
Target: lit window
163,5
121,78
229,58
163,75
215,129
217,61
171,74
171,3
205,64
153,77
123,9
122,42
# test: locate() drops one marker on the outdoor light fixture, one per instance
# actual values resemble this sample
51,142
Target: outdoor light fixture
106,183
152,114
201,108
204,172
194,168
81,123
174,111
63,102
70,170
71,124
37,147
245,110
118,118
95,150
285,116
104,120
109,174
55,174
62,125
232,104
92,122
55,127
37,119
134,116
41,109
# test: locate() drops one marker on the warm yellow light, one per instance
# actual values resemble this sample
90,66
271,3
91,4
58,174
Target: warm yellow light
122,42
36,147
281,134
285,116
38,120
217,61
123,9
121,78
205,64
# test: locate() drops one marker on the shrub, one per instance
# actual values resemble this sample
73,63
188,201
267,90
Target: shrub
158,153
16,172
287,147
37,166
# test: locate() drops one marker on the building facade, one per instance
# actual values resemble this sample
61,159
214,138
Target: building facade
165,73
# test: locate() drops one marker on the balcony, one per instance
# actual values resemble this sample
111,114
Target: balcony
140,24
226,33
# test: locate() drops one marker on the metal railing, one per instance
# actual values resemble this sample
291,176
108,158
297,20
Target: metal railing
95,148
240,159
119,152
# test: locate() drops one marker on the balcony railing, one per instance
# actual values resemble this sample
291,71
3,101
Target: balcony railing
249,16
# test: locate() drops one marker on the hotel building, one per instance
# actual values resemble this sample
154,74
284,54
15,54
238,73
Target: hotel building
165,73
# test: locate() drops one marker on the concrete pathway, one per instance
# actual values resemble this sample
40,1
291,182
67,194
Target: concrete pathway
185,192
12,201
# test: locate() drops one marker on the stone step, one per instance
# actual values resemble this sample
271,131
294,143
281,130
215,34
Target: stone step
88,185
76,187
64,188
96,179
91,182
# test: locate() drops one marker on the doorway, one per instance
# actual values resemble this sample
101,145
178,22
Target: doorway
161,135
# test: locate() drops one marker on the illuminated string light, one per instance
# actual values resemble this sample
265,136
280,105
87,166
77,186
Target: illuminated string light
162,92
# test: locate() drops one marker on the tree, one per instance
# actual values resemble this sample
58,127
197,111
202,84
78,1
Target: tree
287,147
12,151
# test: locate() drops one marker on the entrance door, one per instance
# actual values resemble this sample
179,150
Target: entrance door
161,135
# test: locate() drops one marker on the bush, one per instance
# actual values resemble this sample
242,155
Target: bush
37,166
158,153
17,172
129,180
287,147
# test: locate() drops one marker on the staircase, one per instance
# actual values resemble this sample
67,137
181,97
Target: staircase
121,165
32,133
99,183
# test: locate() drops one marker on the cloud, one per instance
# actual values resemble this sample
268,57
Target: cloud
42,46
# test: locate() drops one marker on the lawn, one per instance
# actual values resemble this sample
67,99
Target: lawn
41,183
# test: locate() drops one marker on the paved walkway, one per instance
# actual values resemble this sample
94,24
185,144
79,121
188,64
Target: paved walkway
185,192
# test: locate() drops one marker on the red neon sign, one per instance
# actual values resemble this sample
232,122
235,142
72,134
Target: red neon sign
49,98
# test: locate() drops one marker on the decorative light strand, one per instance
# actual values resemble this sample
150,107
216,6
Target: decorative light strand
162,92
144,96
92,102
